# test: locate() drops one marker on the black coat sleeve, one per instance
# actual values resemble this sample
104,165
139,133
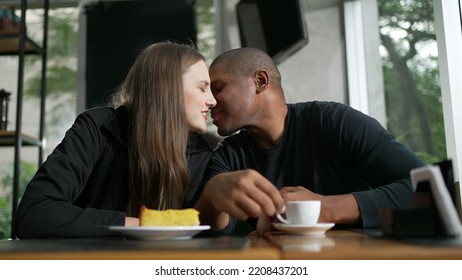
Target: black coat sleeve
47,208
377,158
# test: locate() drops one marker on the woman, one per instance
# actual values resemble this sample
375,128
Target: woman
144,149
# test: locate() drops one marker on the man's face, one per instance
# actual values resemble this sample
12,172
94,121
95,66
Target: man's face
235,100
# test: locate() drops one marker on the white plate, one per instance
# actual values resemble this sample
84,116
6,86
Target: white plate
159,233
313,230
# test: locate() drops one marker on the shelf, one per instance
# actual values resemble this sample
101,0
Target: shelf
9,45
7,138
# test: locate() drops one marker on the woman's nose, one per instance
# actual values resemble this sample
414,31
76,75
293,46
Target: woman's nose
211,101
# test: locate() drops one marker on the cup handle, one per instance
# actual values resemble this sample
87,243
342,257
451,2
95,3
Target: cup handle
280,218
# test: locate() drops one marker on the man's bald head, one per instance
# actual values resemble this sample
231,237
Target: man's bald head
244,62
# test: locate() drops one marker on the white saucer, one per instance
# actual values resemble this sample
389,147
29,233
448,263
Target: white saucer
312,230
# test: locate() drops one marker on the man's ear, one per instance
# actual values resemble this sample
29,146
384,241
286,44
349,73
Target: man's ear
261,80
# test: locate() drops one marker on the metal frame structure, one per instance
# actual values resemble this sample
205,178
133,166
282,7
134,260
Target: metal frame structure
17,138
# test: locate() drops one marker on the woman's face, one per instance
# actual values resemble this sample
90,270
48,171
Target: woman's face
197,95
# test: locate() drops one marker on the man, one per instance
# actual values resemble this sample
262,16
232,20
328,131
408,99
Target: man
315,150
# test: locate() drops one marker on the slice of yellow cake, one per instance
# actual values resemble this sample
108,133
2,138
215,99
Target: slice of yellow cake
170,217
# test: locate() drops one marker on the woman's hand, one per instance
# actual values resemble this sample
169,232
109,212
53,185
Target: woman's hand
130,221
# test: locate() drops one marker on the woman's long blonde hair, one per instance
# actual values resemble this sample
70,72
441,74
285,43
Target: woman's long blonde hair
152,93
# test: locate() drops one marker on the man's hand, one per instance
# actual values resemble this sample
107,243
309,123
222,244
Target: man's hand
299,193
265,223
340,209
241,194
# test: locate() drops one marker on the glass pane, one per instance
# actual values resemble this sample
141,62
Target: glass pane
206,39
411,77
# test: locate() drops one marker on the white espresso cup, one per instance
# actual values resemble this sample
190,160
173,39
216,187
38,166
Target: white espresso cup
301,212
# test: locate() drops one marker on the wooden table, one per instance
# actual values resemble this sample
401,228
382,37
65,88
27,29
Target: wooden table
335,245
354,245
216,248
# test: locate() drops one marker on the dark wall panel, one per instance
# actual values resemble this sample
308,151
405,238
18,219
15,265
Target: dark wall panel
116,31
